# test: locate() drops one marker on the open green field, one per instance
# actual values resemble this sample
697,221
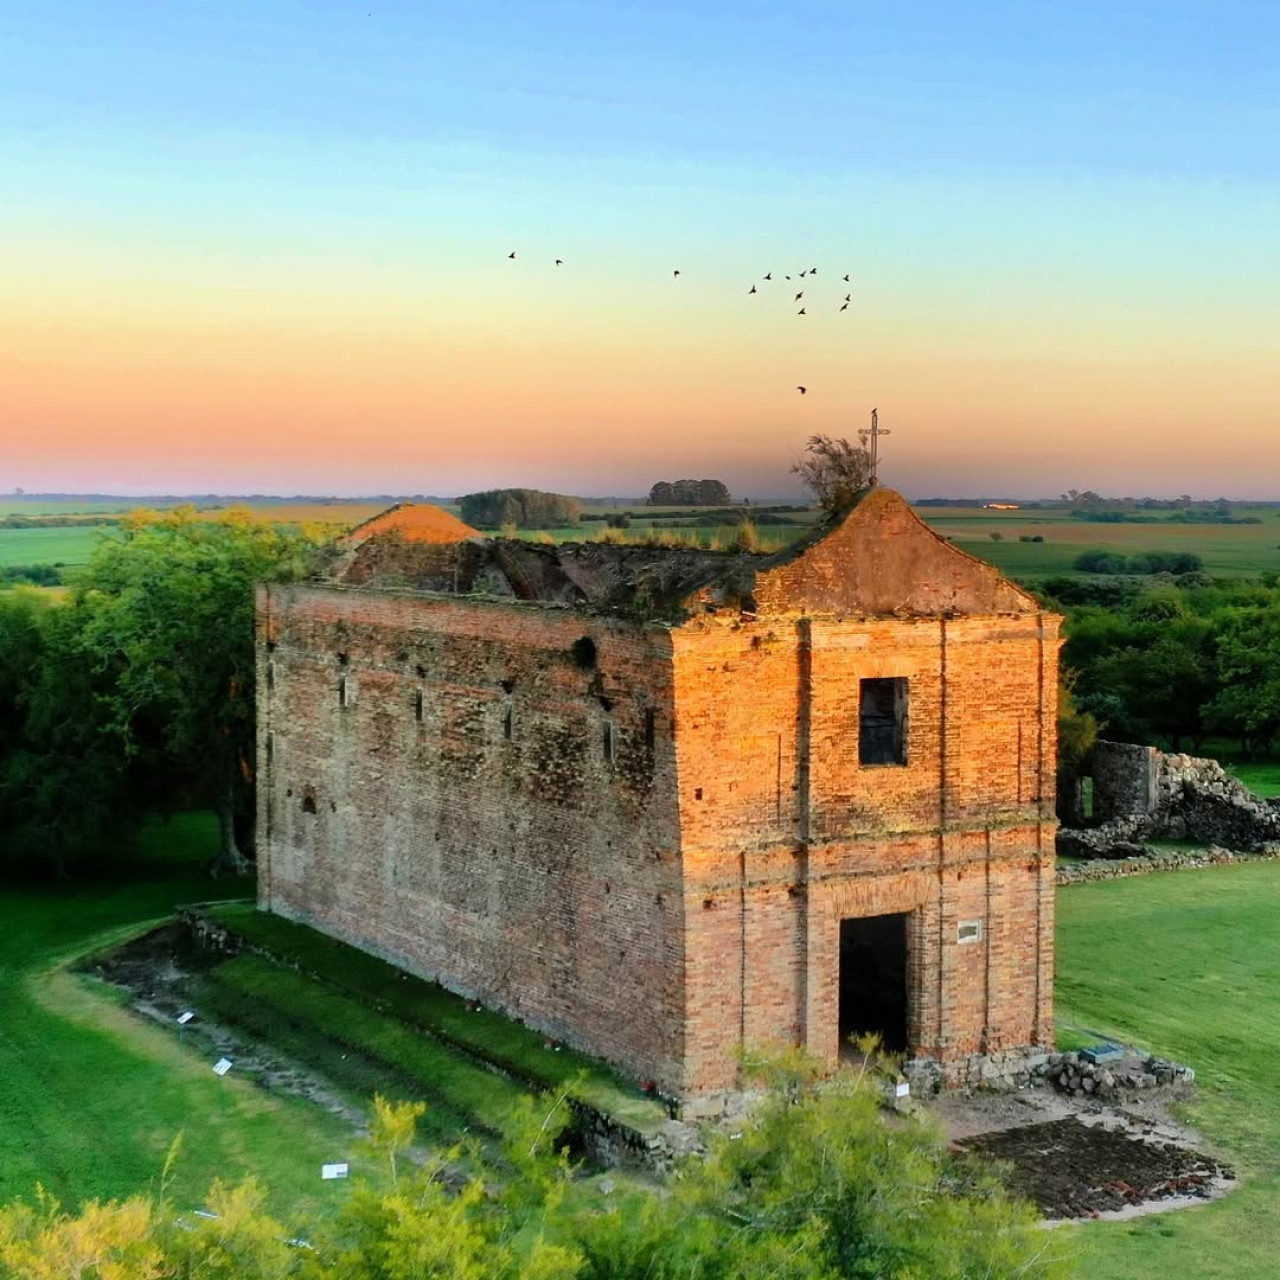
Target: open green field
1187,964
91,1096
1233,550
68,546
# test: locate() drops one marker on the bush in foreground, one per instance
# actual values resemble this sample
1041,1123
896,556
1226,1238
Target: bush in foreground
816,1185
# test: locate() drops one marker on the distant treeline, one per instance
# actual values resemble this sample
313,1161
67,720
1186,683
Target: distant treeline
1208,515
1143,563
31,575
689,493
56,522
524,508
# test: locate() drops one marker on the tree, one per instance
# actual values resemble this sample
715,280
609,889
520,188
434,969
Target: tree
521,508
836,471
689,493
1248,661
163,620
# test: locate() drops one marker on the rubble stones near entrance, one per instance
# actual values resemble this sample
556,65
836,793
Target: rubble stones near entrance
1074,1074
1068,1073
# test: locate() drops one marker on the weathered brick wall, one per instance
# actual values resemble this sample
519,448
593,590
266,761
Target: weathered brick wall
785,834
531,871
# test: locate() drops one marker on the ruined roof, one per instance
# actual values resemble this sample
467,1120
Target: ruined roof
414,522
878,559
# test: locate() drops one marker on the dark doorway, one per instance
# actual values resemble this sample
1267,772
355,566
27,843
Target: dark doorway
873,980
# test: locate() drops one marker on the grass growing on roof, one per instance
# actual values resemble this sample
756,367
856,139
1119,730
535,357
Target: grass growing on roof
492,1036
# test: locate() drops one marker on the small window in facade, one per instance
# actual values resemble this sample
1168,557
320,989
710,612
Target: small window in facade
271,674
650,728
508,721
418,707
969,931
608,741
346,691
882,722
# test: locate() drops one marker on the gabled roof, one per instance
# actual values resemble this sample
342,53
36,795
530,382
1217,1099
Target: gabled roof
414,522
879,559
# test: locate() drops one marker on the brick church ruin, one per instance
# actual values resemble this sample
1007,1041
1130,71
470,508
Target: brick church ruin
665,803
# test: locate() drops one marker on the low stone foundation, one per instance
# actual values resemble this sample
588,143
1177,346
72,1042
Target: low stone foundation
1147,858
1073,1073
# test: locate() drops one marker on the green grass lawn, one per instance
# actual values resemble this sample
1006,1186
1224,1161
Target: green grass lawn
91,1095
69,545
1188,965
1261,776
423,1006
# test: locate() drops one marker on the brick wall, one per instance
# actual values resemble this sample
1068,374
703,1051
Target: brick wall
649,851
784,833
537,871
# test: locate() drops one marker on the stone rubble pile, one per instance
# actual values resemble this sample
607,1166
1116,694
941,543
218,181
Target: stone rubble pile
1071,1073
1077,1075
1145,795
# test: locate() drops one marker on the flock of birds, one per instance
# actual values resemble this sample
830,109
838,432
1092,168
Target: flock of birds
766,278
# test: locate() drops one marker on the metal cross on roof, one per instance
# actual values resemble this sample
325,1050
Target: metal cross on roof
870,437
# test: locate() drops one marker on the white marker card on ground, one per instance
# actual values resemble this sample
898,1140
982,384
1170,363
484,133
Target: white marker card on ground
902,1089
222,1066
184,1018
328,1171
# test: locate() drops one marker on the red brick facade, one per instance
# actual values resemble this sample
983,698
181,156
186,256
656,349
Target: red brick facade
646,844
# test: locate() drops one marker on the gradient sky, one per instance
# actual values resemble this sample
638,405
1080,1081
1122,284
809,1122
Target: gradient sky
262,247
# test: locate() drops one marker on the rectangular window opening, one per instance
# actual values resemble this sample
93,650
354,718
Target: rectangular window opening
508,721
882,722
343,699
650,731
418,705
969,931
608,741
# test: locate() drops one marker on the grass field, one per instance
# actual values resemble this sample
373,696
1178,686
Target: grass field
69,546
1188,965
1227,550
91,1096
1261,776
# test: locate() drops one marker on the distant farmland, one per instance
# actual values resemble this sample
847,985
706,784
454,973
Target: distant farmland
1226,550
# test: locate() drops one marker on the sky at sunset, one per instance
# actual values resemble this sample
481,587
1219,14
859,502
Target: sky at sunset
263,247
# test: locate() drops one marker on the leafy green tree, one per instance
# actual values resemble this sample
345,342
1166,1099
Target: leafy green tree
1247,703
817,1184
520,508
163,621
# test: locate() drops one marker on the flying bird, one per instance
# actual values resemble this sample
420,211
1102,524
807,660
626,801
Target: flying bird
559,262
847,297
802,390
800,312
798,296
844,306
752,289
803,274
511,255
786,277
846,279
674,274
769,275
